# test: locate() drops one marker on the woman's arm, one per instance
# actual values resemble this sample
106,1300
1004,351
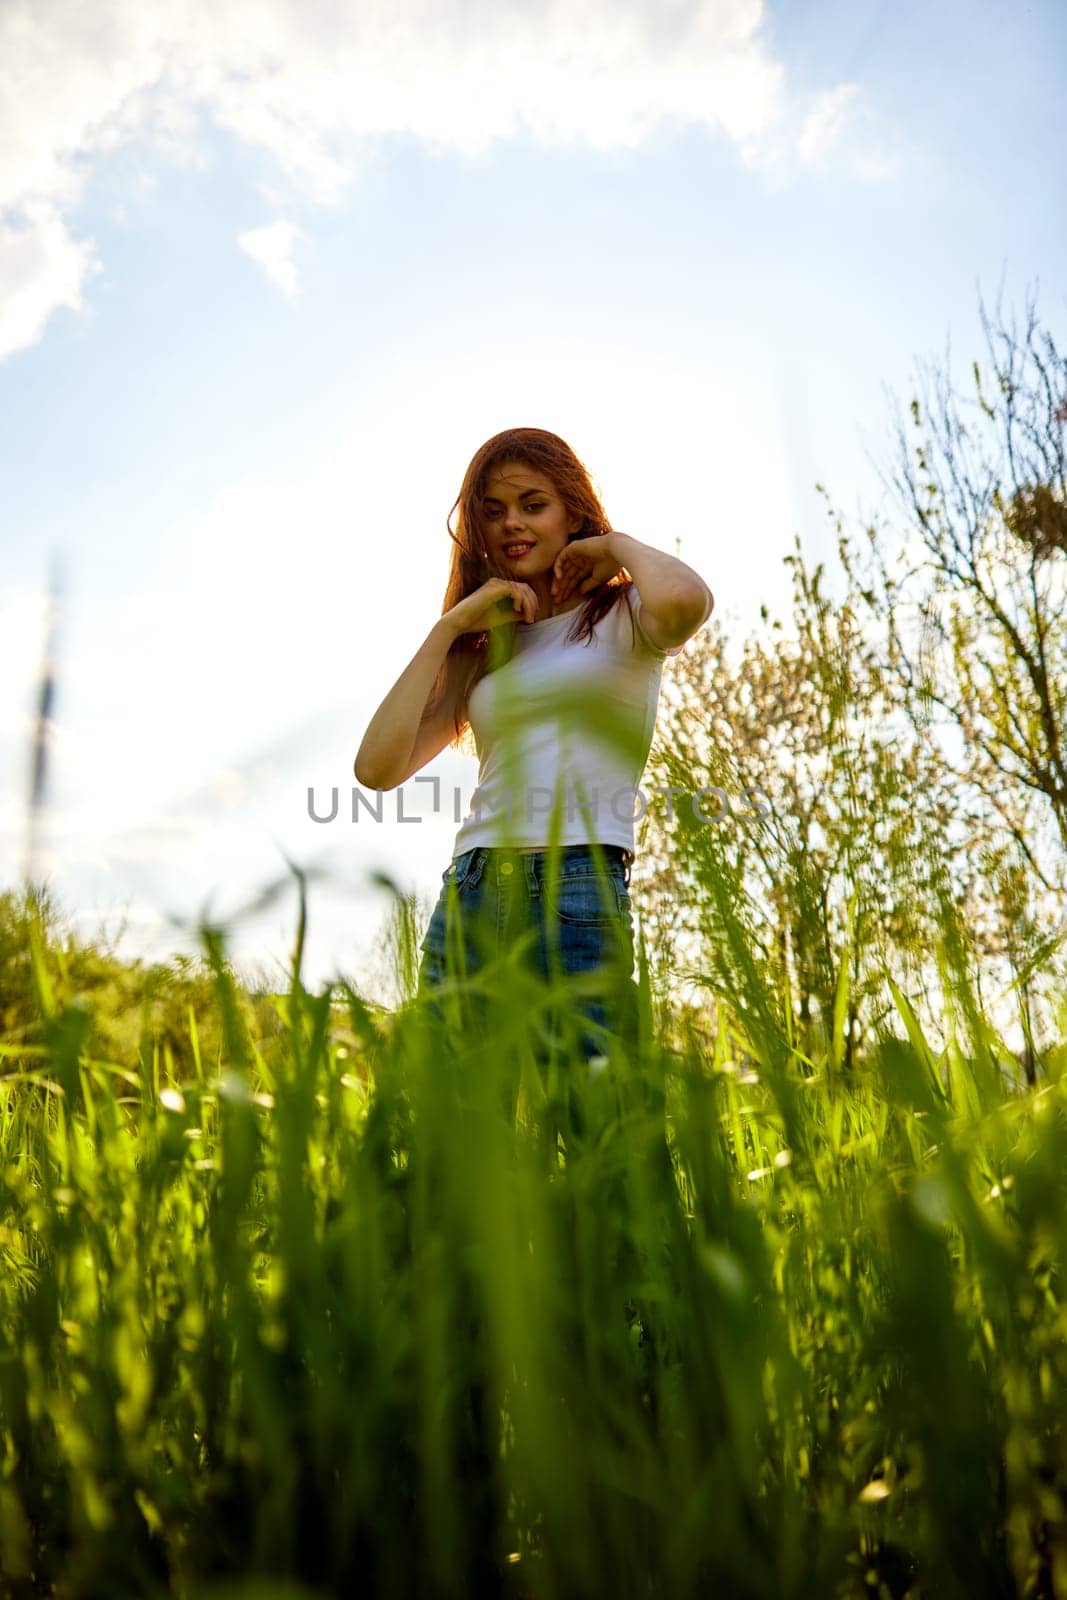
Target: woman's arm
399,741
384,757
672,593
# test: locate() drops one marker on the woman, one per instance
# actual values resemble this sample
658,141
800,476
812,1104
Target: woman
562,716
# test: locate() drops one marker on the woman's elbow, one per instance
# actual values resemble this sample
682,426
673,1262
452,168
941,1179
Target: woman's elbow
367,777
695,607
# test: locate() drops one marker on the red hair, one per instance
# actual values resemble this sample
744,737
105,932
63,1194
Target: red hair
473,563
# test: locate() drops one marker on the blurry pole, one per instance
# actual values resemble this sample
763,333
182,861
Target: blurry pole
42,727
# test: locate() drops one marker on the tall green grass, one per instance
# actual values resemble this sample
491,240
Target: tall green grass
289,1306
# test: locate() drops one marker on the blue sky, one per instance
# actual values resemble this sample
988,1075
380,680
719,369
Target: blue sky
270,274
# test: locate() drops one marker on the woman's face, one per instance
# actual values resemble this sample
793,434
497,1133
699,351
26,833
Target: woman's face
528,524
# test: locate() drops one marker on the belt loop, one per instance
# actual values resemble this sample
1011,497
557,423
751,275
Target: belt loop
533,877
474,868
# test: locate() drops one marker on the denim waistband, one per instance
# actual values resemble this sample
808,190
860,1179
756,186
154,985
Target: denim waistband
569,854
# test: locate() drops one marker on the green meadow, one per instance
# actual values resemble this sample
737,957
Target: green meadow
285,1297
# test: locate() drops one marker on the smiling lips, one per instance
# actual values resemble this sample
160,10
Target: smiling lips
514,551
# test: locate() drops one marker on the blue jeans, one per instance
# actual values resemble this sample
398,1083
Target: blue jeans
497,900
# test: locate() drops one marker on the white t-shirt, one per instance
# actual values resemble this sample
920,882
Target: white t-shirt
567,720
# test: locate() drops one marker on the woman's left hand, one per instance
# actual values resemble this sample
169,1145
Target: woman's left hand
584,564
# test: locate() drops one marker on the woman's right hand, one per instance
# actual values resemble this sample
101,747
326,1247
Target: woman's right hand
498,600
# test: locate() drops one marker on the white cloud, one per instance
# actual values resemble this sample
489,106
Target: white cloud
318,87
823,125
841,119
41,269
272,248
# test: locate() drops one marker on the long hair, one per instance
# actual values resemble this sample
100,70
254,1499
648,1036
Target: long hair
473,560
